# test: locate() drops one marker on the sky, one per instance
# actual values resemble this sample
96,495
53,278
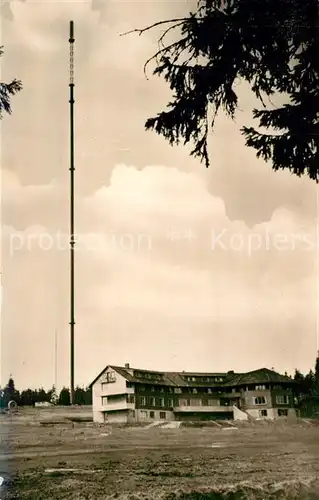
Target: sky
178,267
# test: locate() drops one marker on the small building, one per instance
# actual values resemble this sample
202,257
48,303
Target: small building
125,394
43,404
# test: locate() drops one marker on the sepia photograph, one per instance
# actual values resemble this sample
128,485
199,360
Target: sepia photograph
159,255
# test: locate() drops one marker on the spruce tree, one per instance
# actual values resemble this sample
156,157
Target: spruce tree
273,46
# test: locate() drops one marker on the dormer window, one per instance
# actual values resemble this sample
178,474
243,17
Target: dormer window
260,387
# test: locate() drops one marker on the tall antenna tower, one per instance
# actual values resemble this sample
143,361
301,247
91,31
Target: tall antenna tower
1,292
55,359
72,237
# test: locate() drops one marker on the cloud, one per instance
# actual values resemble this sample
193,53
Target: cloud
154,286
23,206
13,190
135,280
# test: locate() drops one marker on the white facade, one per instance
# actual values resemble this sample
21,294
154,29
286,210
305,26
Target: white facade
113,401
111,398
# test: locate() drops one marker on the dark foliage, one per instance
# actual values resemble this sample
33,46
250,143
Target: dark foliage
64,398
317,375
306,383
273,45
29,397
7,90
9,393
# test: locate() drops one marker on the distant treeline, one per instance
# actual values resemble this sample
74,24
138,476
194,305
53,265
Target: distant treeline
28,397
307,387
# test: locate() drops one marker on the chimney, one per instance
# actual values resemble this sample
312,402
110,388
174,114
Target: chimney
127,365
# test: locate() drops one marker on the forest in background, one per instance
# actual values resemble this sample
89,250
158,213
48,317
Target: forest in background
28,397
307,387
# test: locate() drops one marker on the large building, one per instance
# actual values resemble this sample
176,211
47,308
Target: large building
125,394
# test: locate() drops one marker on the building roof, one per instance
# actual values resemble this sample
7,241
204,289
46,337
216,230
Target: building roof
183,379
204,379
261,376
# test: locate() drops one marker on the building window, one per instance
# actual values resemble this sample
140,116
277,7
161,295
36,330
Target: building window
152,388
152,401
260,400
142,401
142,388
263,413
195,402
282,400
170,403
133,413
209,391
260,388
104,400
130,398
152,414
108,377
129,385
143,415
162,415
282,413
211,402
162,389
178,390
194,391
161,402
183,402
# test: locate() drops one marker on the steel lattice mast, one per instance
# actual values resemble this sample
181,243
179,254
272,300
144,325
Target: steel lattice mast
72,236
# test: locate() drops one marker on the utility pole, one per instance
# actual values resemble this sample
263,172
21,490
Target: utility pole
72,236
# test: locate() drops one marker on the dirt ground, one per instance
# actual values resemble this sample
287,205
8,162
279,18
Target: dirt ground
253,461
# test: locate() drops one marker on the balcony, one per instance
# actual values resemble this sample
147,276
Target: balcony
118,405
203,409
231,395
109,390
